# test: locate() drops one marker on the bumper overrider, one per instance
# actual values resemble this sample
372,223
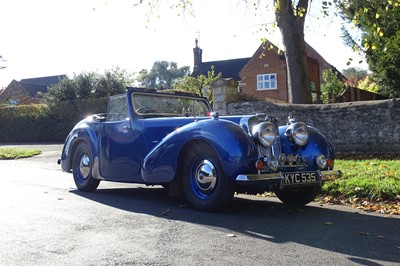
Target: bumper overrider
292,179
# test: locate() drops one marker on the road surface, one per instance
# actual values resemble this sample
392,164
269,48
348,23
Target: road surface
44,220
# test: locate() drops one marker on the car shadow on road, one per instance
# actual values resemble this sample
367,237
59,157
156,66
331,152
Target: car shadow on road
361,236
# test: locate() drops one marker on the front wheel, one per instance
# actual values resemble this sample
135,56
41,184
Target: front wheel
82,169
298,196
204,183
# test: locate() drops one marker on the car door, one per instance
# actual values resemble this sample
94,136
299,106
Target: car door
119,158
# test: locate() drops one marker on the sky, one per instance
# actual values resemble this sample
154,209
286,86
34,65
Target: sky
52,37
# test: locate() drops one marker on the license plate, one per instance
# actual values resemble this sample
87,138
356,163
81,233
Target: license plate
302,178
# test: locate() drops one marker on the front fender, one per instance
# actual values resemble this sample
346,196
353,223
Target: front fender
317,144
236,150
82,132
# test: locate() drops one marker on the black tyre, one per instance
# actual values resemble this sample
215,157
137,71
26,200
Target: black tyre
82,169
205,185
298,196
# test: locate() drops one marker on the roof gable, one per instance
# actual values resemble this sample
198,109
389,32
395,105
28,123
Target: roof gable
265,48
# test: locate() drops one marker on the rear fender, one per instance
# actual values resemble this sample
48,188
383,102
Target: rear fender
236,150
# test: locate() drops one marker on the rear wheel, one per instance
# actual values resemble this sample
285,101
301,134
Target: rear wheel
298,196
82,169
204,183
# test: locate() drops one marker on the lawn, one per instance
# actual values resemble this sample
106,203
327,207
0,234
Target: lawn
372,185
14,153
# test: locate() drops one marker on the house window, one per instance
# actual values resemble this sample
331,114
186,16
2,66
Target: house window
267,82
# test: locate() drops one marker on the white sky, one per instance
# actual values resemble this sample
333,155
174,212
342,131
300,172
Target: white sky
51,37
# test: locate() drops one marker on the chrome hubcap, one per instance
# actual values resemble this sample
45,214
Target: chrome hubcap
206,176
84,166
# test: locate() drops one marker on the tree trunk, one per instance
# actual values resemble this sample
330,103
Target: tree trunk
290,21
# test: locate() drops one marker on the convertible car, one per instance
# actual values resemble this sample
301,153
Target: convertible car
177,141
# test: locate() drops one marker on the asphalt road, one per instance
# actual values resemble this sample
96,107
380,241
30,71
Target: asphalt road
44,220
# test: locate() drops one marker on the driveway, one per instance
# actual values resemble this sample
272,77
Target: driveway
46,221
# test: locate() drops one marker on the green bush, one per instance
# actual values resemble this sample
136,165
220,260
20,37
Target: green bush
45,123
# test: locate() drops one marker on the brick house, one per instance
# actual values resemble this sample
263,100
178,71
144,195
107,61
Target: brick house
28,91
264,74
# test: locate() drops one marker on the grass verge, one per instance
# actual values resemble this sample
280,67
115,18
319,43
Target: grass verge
371,185
15,153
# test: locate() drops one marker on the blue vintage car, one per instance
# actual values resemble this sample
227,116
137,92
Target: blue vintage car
175,140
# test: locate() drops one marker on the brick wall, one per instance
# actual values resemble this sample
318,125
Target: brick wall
265,61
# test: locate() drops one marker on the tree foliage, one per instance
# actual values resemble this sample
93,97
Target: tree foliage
379,22
89,85
163,75
332,86
354,75
2,60
369,84
290,16
200,85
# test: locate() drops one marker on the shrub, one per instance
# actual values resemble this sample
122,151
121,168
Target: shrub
45,123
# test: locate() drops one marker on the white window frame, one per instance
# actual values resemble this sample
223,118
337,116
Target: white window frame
267,82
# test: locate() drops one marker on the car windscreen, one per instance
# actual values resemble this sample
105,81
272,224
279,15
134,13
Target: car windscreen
169,105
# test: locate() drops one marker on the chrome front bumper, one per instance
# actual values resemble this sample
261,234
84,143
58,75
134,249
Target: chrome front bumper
328,175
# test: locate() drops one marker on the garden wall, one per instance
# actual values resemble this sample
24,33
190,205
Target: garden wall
359,127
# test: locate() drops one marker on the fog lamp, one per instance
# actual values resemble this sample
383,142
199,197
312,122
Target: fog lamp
273,163
321,161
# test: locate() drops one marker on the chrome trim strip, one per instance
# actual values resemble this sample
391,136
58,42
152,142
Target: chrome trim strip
259,177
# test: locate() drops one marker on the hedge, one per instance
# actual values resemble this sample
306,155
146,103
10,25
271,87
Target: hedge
45,123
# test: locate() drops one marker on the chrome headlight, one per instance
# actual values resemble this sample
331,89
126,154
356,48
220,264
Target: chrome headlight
298,133
265,133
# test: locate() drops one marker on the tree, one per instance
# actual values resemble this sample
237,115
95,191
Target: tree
89,85
163,75
200,85
369,84
379,23
290,17
332,86
354,75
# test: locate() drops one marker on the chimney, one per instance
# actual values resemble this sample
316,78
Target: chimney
197,52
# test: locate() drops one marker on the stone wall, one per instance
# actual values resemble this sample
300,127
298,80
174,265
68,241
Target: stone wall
360,127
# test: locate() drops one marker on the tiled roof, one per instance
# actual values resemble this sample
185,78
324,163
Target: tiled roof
228,68
35,85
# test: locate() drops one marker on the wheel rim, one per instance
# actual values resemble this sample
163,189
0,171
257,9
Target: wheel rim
204,179
84,167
